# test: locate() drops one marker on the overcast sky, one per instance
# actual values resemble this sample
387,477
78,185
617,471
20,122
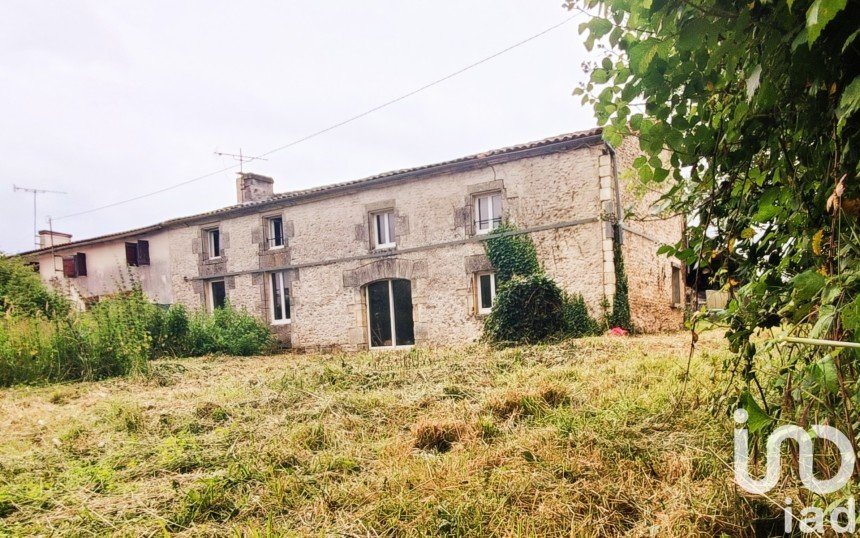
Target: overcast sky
108,100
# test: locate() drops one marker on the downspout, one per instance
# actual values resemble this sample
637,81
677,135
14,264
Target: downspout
619,216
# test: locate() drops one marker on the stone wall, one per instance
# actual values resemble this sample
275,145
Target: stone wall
644,229
565,200
329,250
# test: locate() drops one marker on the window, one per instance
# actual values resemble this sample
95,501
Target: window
676,286
488,212
213,241
275,232
486,292
75,266
389,313
280,299
217,294
383,230
137,253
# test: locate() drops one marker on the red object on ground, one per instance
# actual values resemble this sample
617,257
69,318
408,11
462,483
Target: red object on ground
617,331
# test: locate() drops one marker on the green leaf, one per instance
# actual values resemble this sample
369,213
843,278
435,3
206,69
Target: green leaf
807,285
753,81
823,374
599,76
758,419
819,14
850,40
851,317
849,103
826,314
599,27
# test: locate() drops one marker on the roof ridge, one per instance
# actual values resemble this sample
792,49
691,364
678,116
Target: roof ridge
288,195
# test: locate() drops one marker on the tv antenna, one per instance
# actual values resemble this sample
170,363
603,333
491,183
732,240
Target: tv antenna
241,158
35,193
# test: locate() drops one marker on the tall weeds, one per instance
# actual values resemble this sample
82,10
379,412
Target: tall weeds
118,336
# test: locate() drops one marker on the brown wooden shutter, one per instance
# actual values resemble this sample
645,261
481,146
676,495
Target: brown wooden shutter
143,252
81,264
69,267
131,254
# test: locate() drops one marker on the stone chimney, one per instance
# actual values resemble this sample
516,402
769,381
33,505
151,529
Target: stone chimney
47,238
253,187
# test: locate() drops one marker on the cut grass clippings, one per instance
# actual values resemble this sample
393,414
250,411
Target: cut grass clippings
582,438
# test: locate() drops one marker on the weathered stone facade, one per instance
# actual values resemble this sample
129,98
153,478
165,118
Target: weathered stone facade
561,191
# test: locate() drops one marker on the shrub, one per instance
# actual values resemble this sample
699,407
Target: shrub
118,336
228,331
527,310
169,329
22,292
577,320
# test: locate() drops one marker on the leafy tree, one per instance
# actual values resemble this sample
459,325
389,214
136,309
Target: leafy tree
22,292
747,115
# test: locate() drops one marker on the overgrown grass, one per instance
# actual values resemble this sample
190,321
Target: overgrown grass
585,438
119,336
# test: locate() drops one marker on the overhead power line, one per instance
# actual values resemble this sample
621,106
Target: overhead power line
333,126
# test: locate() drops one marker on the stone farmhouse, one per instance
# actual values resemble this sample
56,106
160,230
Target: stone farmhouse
396,259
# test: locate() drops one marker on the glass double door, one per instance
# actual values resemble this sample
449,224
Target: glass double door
389,312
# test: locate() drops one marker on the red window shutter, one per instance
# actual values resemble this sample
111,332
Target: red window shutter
81,264
131,254
143,252
69,267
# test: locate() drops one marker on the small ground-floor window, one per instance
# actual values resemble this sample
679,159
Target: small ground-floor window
217,294
486,292
280,299
389,313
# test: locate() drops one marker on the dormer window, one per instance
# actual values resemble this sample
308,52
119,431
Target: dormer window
383,230
488,212
274,232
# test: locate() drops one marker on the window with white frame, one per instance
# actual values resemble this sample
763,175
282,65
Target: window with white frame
486,284
213,243
280,303
274,232
488,212
383,229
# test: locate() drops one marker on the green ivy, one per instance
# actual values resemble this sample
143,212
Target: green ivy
511,254
529,306
577,320
620,316
527,309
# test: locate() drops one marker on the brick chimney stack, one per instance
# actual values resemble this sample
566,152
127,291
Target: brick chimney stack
253,187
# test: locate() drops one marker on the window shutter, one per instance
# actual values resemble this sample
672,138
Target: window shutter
81,264
131,254
143,252
69,267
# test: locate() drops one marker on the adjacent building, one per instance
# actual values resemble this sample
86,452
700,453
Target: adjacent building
396,259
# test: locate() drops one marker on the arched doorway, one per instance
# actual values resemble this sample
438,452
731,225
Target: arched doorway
389,313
